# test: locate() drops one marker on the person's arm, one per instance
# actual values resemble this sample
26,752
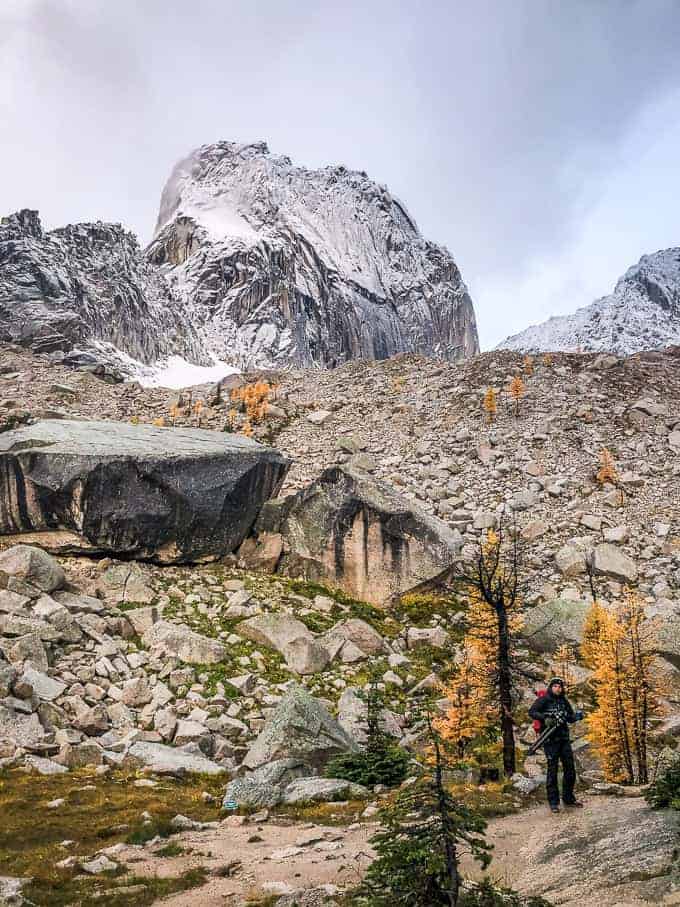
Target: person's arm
537,710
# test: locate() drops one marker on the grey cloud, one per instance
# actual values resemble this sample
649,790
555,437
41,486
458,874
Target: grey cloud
493,121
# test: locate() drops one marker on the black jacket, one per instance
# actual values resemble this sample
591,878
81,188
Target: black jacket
557,706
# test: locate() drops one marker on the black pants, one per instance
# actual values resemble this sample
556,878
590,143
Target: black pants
557,751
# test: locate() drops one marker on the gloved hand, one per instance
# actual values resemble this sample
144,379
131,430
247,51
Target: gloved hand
579,714
551,721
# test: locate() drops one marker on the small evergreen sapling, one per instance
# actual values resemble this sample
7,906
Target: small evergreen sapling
381,761
418,847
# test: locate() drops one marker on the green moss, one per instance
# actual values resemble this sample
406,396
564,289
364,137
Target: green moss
418,608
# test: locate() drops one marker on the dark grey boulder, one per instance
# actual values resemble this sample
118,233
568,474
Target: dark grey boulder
355,532
167,494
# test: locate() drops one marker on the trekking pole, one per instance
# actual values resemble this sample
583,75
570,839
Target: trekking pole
543,737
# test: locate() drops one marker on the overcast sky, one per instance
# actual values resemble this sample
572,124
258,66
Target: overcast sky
539,140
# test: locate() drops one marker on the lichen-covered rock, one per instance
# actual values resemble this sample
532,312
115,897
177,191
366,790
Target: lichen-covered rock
167,760
553,623
174,495
300,728
264,787
320,790
352,531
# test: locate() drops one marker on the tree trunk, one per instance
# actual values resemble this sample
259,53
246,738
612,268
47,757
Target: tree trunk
449,842
505,691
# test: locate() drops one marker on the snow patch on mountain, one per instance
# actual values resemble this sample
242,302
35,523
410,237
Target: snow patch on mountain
642,313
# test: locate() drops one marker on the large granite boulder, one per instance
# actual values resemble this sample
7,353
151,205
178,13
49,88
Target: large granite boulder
169,494
31,566
554,623
355,532
300,728
168,640
290,637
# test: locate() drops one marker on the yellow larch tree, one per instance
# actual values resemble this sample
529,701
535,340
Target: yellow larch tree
547,359
490,404
528,365
470,711
620,652
494,619
607,471
516,390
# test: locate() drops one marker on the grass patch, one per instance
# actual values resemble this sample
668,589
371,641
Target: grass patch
171,849
98,811
122,892
341,813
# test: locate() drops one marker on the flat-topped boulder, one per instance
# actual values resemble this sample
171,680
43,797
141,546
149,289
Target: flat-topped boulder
167,494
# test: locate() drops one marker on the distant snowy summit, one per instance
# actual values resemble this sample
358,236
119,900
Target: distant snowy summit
254,262
642,313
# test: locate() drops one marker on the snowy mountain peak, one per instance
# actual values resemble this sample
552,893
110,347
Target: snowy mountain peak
280,264
255,262
642,313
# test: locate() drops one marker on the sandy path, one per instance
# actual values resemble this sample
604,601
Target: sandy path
295,856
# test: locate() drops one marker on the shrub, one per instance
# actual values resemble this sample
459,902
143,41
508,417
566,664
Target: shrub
486,894
665,789
386,764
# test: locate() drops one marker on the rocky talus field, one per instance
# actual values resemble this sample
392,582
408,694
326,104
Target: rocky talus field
170,692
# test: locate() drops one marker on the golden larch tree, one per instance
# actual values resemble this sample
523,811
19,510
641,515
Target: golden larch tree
516,391
607,472
470,696
528,365
620,651
494,620
490,404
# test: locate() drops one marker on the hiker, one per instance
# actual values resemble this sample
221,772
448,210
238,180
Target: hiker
553,709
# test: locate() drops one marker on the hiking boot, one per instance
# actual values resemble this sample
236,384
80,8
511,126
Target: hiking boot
554,809
575,805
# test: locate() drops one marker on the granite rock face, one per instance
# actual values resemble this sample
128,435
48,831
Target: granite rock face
279,264
171,495
357,533
255,262
86,287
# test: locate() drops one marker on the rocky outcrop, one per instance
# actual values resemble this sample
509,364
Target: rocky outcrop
173,495
357,533
86,287
254,261
280,264
643,313
300,728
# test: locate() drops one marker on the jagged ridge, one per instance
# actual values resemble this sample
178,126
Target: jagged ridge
254,261
642,313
